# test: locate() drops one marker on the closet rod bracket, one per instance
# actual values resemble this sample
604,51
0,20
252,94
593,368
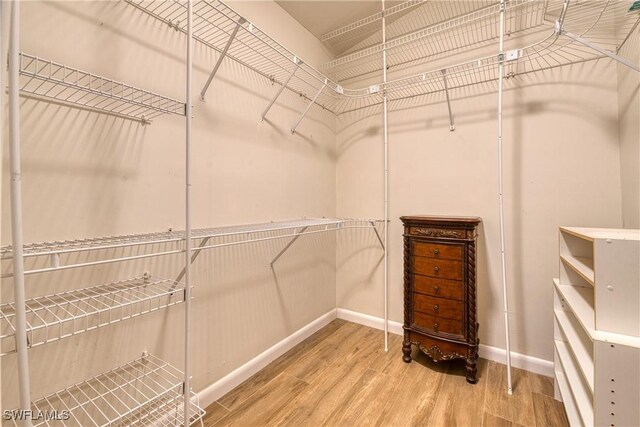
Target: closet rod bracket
298,234
221,57
597,48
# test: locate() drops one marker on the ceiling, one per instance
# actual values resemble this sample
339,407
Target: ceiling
321,16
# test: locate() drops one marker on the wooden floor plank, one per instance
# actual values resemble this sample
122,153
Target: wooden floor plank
460,403
341,376
215,412
548,411
491,420
370,396
416,395
325,396
541,384
261,407
236,396
311,365
390,363
518,407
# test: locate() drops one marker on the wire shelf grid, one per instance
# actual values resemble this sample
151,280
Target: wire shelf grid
607,21
470,29
45,79
51,256
344,38
213,24
53,317
146,391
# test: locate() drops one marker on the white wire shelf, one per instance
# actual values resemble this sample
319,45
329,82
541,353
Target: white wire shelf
53,317
344,38
146,391
44,79
214,22
59,255
444,37
606,22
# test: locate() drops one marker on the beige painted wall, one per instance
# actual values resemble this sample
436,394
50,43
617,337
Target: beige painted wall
88,175
629,128
561,168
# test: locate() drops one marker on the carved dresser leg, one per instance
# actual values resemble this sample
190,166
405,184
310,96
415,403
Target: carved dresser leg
472,370
406,351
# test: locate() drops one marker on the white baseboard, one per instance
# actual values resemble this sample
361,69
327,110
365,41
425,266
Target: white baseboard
368,320
224,385
522,361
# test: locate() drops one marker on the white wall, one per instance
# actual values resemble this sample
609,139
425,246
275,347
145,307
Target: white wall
561,168
629,128
91,175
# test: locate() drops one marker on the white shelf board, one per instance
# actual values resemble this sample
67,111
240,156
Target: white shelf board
581,265
603,233
53,317
567,398
583,398
580,301
146,391
583,354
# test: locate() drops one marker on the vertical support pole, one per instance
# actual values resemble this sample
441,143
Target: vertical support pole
220,58
187,251
296,63
386,179
501,198
452,127
16,210
306,110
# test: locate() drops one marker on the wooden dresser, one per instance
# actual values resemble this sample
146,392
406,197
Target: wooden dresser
440,288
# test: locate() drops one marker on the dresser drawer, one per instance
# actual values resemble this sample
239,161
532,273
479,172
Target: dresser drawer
438,325
436,250
445,268
440,307
438,287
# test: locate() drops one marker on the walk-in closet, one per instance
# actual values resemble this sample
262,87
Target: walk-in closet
320,212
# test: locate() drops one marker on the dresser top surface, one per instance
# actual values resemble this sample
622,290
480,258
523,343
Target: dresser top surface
440,219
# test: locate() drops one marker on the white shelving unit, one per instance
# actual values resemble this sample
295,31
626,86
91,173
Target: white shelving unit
597,326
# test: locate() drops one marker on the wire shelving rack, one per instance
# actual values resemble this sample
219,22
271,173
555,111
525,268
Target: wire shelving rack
53,317
46,79
52,256
605,22
454,34
146,391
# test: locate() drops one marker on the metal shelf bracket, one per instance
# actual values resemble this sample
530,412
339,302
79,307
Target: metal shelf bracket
452,127
597,48
313,101
221,57
298,234
375,230
297,62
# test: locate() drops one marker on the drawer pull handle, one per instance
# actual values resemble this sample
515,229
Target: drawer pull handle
435,326
436,289
436,268
436,251
436,307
